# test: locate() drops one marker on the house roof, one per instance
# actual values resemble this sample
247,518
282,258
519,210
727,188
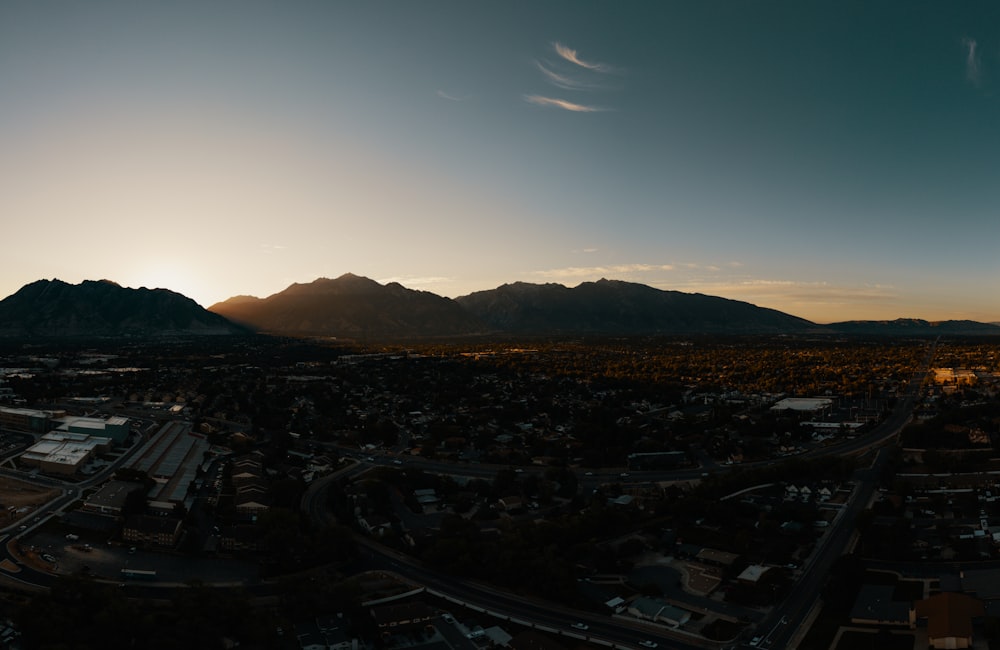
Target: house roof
983,583
949,614
648,607
875,603
753,573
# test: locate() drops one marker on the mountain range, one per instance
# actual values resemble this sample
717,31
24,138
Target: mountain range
56,309
356,307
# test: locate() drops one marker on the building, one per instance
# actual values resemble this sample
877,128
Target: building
158,531
651,609
405,616
803,404
111,498
64,453
28,419
116,428
876,606
949,618
717,558
752,574
250,504
171,458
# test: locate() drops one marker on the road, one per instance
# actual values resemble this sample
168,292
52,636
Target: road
786,619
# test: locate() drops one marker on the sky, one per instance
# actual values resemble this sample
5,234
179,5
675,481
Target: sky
832,160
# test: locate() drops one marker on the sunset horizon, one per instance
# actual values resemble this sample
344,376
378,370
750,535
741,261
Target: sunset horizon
830,162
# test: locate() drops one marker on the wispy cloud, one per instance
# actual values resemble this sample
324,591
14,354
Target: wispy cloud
795,292
452,97
570,55
972,66
571,73
576,272
271,248
566,82
418,281
554,102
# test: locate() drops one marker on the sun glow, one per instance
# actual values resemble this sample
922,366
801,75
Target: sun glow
175,275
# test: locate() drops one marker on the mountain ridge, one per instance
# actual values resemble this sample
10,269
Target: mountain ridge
353,306
103,308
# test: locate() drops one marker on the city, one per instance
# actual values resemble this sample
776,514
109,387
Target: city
682,492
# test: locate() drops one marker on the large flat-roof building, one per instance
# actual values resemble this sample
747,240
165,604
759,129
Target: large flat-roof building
111,498
115,427
64,453
805,404
33,420
171,458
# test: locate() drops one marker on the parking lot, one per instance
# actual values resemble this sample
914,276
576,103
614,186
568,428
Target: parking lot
106,561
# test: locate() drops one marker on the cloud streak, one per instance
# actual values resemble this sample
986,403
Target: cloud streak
600,271
972,66
419,281
791,296
566,105
565,81
452,98
797,293
570,55
571,73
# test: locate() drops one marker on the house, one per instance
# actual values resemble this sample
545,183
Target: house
752,574
250,504
404,616
717,558
876,606
651,609
949,618
333,631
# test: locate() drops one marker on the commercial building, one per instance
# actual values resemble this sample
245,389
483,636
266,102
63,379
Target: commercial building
111,498
803,404
64,453
158,531
171,459
28,419
115,427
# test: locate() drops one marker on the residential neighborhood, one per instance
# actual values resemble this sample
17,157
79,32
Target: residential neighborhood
691,505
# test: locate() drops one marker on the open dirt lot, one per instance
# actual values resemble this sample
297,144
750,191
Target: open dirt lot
19,499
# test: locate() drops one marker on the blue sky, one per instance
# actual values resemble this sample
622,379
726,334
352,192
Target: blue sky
834,160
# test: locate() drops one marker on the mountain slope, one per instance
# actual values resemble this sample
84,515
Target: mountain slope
915,327
612,306
53,308
351,306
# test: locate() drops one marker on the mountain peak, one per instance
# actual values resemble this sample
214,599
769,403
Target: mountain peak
352,306
102,308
